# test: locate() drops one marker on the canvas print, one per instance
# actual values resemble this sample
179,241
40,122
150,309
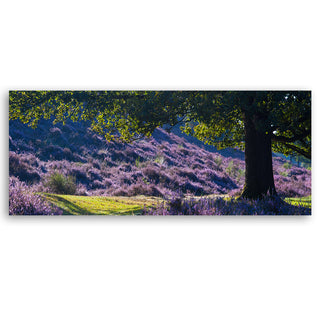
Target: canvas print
159,153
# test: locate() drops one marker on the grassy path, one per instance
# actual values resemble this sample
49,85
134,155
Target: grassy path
83,205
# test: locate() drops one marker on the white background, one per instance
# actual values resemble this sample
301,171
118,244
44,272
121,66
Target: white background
159,267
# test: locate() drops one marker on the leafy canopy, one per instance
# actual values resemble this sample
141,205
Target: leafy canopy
215,117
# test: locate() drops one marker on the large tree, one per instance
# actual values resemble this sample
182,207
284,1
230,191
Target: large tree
258,121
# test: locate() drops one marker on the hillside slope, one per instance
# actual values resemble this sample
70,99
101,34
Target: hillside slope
159,166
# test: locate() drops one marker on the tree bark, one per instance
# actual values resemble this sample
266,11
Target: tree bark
259,180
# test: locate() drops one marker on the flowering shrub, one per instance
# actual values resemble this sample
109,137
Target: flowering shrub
138,189
23,166
23,202
220,206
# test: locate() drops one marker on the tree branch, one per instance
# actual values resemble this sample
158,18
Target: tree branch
298,150
293,139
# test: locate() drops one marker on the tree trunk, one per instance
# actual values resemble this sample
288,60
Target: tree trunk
259,180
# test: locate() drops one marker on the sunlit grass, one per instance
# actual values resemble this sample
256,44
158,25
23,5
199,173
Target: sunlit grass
304,201
83,205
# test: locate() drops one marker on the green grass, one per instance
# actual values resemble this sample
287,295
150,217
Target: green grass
305,201
82,205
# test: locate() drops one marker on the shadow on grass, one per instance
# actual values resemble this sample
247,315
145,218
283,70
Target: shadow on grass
70,207
67,206
188,207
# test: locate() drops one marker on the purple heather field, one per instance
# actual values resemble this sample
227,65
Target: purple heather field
168,165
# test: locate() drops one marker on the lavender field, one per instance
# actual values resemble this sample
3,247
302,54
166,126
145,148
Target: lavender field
184,175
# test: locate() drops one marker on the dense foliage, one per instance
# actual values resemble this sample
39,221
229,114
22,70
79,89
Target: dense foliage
215,117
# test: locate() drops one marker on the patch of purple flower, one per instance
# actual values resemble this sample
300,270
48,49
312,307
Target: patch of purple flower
150,166
22,201
219,206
